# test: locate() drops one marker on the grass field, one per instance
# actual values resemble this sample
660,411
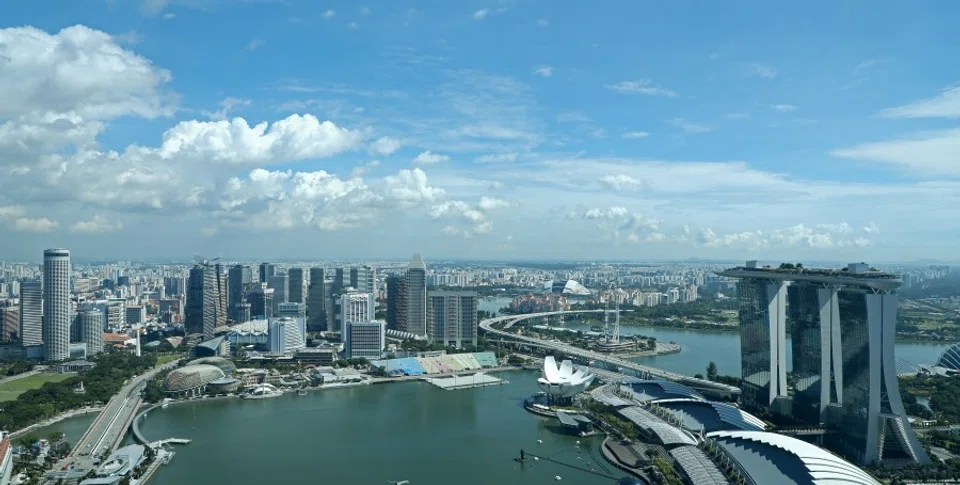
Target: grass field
164,358
10,390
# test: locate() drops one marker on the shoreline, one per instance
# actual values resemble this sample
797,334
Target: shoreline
56,419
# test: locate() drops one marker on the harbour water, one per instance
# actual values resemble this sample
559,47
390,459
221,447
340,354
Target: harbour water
372,434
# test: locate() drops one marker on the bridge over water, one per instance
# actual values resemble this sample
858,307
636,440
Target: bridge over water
612,361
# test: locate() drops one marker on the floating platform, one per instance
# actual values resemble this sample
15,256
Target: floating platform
464,382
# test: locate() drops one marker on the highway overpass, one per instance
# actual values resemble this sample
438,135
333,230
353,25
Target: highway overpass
640,370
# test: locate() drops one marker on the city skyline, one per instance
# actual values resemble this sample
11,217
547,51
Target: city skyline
498,129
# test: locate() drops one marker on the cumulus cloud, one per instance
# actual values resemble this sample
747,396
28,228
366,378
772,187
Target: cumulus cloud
42,224
633,135
428,157
621,223
78,72
822,236
97,224
385,146
641,86
475,216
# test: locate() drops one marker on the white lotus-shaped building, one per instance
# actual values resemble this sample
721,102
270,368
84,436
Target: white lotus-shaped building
562,381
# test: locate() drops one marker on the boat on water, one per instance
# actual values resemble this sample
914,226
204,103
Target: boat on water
261,391
302,392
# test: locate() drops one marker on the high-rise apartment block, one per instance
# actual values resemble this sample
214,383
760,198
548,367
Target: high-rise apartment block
56,304
91,330
205,300
31,312
452,318
844,375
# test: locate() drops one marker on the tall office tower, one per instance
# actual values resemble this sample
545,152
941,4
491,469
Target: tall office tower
31,311
174,285
261,302
355,278
316,302
763,352
266,272
296,285
239,278
416,321
338,283
56,304
205,308
221,301
280,285
91,330
285,335
452,318
364,279
397,302
364,340
355,307
844,324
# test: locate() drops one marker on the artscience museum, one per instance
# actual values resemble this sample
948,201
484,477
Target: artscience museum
562,382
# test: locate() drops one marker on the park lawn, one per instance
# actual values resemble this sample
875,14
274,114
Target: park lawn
10,390
164,358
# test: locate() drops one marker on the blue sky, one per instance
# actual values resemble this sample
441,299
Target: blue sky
491,129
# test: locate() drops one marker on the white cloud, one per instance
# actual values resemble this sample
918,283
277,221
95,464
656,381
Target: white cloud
385,146
633,135
11,212
543,22
255,44
621,181
475,216
758,69
481,14
77,73
543,71
621,223
944,105
922,155
497,157
689,127
641,86
784,108
871,228
366,11
823,236
353,25
24,224
867,64
573,117
410,188
169,16
98,224
226,106
329,14
492,203
429,157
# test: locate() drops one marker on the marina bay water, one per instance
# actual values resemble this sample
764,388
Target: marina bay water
372,434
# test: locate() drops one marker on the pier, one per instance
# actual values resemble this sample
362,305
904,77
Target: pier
464,382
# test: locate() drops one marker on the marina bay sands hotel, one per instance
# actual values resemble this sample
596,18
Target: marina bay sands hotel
842,329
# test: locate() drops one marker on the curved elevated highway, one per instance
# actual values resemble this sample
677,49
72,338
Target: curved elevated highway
588,355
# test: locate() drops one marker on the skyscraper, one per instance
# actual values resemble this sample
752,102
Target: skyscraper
416,321
338,283
297,284
452,318
844,326
261,302
355,307
364,279
397,302
316,302
205,300
240,277
31,312
56,304
91,330
280,285
355,278
266,272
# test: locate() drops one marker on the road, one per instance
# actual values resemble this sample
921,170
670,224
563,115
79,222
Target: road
107,430
487,326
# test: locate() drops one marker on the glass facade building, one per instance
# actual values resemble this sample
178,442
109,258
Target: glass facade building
762,345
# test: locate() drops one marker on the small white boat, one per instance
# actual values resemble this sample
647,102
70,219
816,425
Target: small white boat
262,391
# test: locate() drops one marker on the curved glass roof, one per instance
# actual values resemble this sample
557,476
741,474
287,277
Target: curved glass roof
776,458
950,358
191,377
711,416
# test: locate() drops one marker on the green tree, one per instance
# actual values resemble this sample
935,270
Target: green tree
712,371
